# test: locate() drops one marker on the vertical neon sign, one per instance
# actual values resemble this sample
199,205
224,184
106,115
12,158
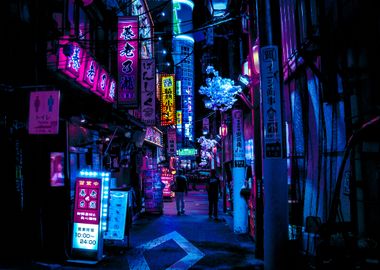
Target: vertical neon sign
167,91
128,53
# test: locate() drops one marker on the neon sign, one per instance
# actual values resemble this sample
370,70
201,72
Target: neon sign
77,63
128,52
167,91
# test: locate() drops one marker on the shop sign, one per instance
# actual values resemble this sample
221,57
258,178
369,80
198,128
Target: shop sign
179,118
87,213
117,215
90,214
167,91
44,112
154,136
70,58
77,63
172,141
102,84
128,54
187,152
148,98
89,74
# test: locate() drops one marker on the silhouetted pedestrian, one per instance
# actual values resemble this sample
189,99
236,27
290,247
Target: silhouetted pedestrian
212,187
180,191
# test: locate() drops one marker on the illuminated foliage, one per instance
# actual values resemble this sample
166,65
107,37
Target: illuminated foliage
220,91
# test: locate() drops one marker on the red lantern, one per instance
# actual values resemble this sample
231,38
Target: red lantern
223,130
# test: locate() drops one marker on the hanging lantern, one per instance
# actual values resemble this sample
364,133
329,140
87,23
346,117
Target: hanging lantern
223,130
255,55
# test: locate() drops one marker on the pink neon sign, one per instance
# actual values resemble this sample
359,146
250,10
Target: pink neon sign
128,53
102,84
77,63
70,58
89,75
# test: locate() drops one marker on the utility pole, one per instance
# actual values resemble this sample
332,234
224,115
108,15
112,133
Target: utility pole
273,143
255,96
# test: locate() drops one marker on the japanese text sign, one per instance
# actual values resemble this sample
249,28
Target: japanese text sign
128,55
167,92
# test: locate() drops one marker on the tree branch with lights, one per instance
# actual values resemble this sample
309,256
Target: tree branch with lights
220,91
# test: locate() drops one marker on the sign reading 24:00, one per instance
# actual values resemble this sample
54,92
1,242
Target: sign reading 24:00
85,236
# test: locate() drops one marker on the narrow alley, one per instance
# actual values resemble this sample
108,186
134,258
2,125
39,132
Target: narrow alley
168,241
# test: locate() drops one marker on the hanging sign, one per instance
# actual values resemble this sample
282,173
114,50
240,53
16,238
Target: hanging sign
167,91
172,141
128,55
148,98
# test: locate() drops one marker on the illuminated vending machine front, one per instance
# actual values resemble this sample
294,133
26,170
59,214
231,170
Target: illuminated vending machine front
90,216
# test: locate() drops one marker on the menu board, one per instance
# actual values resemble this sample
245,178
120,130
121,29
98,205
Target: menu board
117,215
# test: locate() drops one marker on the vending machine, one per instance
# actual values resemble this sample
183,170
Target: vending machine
90,216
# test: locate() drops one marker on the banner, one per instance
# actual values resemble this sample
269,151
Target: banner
148,87
128,55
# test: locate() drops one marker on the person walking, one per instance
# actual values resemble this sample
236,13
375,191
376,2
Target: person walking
180,192
213,192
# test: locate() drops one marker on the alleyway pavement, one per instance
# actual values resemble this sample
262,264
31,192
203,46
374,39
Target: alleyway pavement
189,241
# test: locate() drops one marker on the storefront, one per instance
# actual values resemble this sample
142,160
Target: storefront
151,173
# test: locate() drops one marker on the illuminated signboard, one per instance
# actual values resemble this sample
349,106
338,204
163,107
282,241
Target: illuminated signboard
154,136
90,212
148,87
168,112
70,58
145,28
172,141
111,90
128,55
77,63
187,152
87,213
238,138
89,74
118,207
179,118
102,84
